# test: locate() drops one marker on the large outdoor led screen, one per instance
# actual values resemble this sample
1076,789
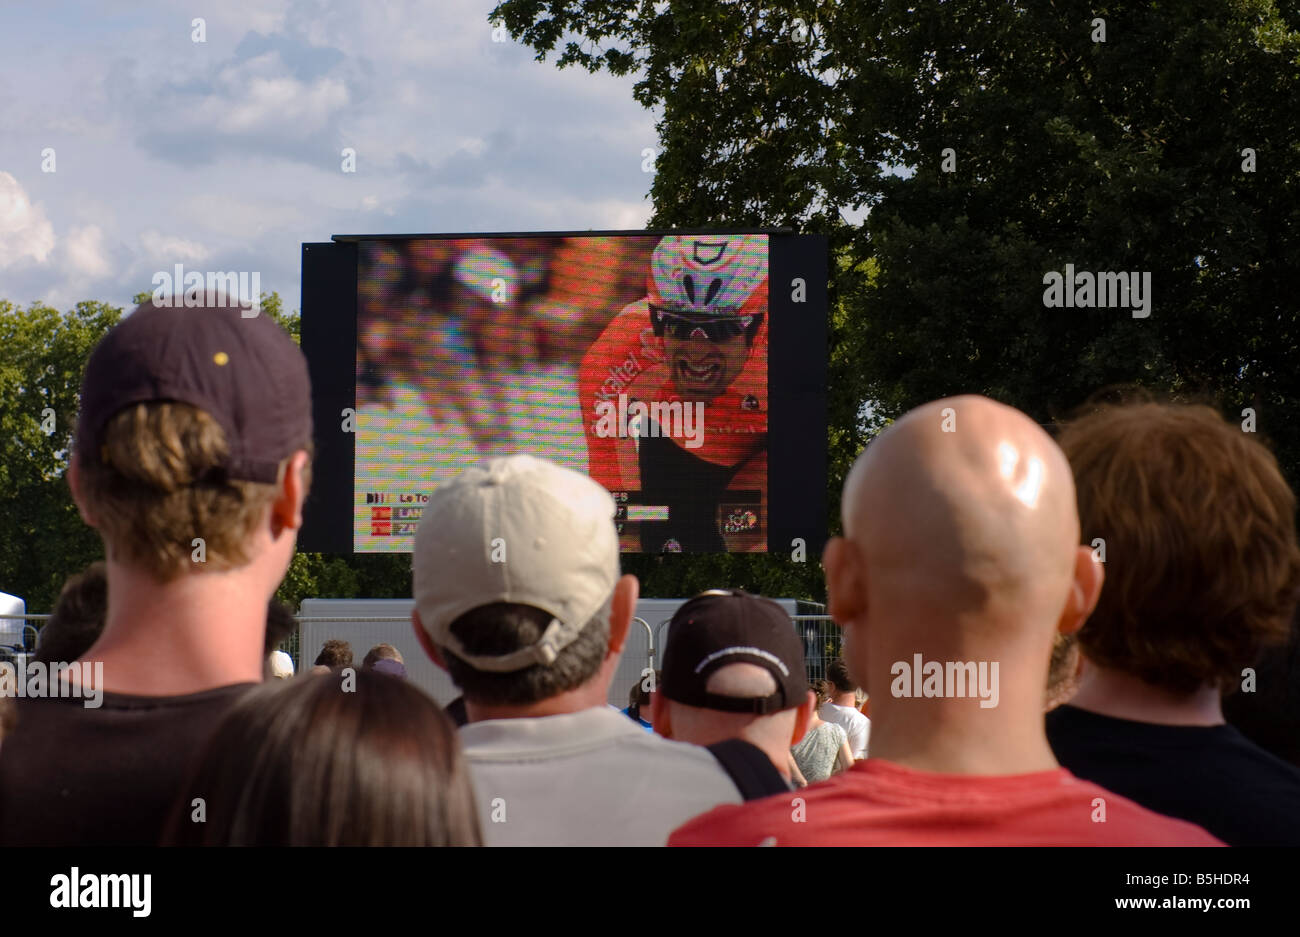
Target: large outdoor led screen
646,361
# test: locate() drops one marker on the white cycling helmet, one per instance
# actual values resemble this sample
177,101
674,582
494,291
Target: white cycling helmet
708,276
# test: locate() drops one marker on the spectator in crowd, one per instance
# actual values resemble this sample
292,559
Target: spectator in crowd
824,749
959,561
841,708
192,459
279,666
280,624
305,764
1204,571
389,667
381,652
78,616
335,655
734,682
638,705
518,596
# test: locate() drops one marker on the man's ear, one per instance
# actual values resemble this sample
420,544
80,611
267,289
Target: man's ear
803,716
659,715
621,610
74,484
1085,590
286,509
846,598
426,642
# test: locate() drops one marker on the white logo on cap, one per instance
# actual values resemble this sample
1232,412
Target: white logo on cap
757,652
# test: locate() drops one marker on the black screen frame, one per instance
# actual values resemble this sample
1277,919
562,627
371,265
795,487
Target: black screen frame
797,369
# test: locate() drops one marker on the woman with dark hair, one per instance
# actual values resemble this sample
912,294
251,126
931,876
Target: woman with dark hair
360,759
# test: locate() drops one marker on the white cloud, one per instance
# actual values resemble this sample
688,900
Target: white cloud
25,232
170,248
84,248
257,103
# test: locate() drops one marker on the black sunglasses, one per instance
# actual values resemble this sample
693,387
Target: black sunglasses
715,330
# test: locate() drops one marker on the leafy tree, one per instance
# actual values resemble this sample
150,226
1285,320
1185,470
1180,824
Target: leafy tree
43,540
988,143
42,355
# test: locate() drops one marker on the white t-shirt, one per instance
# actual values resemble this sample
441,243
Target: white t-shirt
855,725
590,778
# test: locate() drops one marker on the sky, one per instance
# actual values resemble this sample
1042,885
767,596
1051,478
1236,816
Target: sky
227,154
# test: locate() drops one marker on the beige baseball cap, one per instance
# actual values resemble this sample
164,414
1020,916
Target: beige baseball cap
515,529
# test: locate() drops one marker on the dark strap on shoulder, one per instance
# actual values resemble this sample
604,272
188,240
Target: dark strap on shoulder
750,769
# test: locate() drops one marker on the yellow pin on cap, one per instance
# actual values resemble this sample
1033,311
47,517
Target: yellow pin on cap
221,358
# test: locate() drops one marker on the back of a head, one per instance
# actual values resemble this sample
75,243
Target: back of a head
189,418
334,654
503,628
1203,568
704,726
306,763
837,675
78,616
515,567
963,514
733,667
381,652
280,624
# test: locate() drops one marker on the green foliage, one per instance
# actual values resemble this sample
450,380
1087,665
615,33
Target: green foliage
43,539
1124,155
372,576
42,355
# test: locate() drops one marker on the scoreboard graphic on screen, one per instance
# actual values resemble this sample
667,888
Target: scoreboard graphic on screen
667,366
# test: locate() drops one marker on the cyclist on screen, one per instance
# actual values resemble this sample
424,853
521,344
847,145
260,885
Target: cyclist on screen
674,397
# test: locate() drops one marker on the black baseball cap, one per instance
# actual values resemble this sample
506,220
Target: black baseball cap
730,626
245,372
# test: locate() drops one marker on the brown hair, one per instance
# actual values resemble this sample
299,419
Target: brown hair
837,674
309,762
334,653
1202,564
823,690
157,484
381,652
78,617
280,625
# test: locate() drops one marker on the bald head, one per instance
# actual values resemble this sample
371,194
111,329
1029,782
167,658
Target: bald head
774,733
961,518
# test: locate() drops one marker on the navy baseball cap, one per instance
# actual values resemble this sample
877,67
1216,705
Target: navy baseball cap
244,372
730,626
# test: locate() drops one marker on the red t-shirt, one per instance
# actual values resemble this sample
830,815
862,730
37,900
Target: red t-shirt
878,803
